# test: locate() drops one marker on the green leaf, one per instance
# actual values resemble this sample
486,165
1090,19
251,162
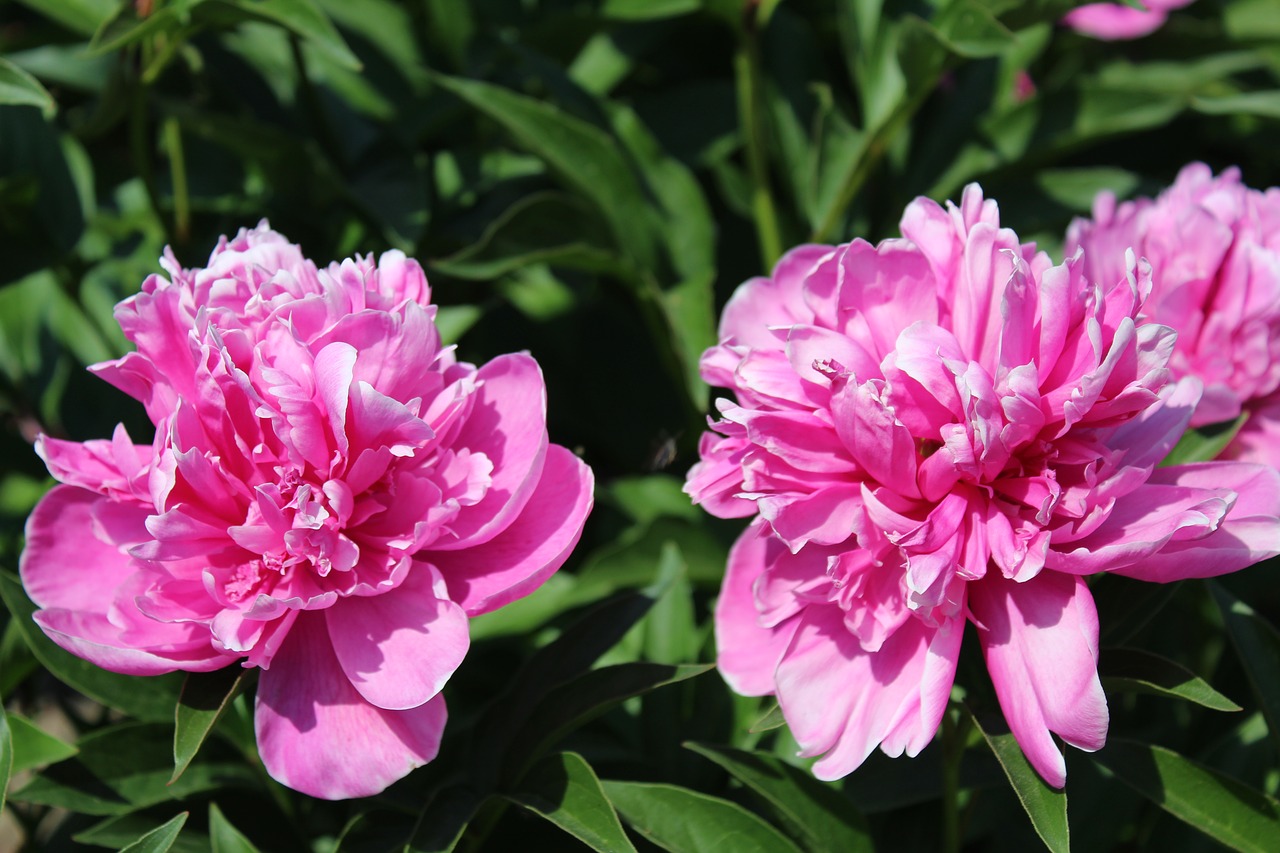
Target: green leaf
33,747
671,628
1076,188
969,30
160,839
81,16
1046,806
571,704
444,820
6,754
1137,671
551,228
127,27
1205,443
19,88
685,821
771,720
452,321
813,812
151,698
1217,805
1264,104
303,18
204,698
1258,644
120,770
224,837
584,156
564,789
647,10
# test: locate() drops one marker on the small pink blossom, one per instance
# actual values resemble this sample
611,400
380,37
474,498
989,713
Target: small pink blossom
940,429
1214,247
329,496
1118,22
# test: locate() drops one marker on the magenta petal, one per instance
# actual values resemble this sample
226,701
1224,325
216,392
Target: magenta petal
318,735
534,544
746,652
398,649
1040,639
508,424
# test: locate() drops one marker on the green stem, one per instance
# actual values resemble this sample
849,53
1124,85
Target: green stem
751,107
872,151
139,146
172,134
955,732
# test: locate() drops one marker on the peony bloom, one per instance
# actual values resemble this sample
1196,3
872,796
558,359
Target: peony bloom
1118,22
1214,248
329,495
940,429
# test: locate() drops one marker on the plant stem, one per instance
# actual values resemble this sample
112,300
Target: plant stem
178,175
955,732
751,108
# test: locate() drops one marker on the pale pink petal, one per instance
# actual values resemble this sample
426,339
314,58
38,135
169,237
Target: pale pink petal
399,648
1040,640
508,424
318,735
747,653
532,546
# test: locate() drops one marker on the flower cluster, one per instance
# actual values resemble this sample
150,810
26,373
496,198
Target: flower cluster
1214,247
329,496
942,429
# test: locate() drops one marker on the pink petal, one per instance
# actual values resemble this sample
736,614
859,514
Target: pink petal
1040,640
1249,534
746,652
399,648
761,303
318,735
843,701
531,547
508,424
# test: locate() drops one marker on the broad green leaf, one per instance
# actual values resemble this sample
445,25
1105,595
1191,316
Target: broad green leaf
386,25
771,720
6,754
224,837
647,10
81,16
1137,671
152,698
1257,642
127,27
19,88
303,18
685,821
119,770
115,833
564,789
1217,805
33,747
586,158
969,30
1205,443
551,228
1077,188
204,698
160,839
1046,806
1252,20
571,704
813,812
670,627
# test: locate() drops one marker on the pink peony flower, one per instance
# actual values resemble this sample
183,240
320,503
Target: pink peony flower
1214,247
330,494
1118,22
945,428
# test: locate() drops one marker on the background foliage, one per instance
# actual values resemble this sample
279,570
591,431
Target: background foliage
589,180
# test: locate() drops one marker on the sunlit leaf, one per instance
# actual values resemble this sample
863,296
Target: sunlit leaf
33,747
564,789
1205,443
771,720
1217,805
1257,642
814,813
160,839
685,821
19,88
1046,806
1143,672
224,837
204,698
